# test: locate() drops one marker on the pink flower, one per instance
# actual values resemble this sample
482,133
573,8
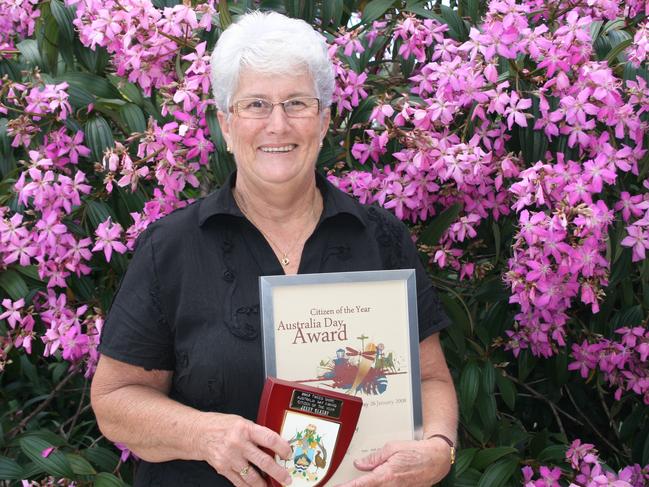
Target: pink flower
514,112
12,311
107,239
125,453
638,240
47,452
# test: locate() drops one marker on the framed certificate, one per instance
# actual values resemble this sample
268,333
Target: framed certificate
354,333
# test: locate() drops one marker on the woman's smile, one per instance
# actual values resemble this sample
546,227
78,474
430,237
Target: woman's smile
281,149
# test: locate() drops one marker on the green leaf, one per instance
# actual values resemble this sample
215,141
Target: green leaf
645,452
30,271
507,390
420,9
469,386
105,479
98,86
596,30
434,230
13,284
457,28
457,336
102,458
332,12
469,478
10,68
363,111
552,453
29,49
221,161
80,465
110,103
455,23
475,429
617,50
80,97
46,436
631,423
499,473
375,9
98,212
133,202
488,456
458,313
488,378
133,117
299,9
94,60
48,40
83,287
474,10
128,90
29,370
10,470
58,369
7,159
32,470
224,15
64,17
464,459
486,406
99,136
55,463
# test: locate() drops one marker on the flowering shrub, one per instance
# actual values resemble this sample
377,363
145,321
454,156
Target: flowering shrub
511,136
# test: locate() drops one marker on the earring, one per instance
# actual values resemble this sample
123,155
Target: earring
229,149
321,144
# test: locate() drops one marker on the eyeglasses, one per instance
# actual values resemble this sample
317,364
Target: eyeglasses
299,107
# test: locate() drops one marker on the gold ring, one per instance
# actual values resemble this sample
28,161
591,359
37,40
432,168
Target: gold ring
244,471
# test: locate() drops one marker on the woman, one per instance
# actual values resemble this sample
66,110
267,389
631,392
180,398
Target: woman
180,375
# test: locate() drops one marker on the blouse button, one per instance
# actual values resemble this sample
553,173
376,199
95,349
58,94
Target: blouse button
228,275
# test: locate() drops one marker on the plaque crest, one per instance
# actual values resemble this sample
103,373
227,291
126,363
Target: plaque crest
317,424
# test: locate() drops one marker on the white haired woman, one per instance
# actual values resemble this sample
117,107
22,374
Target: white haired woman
180,376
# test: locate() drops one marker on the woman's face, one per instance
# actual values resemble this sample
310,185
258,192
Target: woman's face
277,149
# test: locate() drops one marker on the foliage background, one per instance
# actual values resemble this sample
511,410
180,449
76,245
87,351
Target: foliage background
510,135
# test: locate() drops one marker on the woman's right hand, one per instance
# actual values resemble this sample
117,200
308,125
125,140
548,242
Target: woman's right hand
232,445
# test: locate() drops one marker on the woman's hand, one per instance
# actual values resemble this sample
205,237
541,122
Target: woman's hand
233,446
404,464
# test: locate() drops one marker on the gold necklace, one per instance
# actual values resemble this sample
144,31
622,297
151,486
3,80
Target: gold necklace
285,260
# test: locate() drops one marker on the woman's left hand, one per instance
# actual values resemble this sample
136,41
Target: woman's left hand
404,464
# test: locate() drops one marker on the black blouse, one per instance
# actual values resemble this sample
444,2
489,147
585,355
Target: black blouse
189,301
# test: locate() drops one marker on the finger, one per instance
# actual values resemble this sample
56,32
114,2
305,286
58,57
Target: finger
267,464
374,459
252,478
234,478
267,438
372,479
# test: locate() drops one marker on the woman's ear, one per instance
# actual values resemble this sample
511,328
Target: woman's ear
326,118
225,126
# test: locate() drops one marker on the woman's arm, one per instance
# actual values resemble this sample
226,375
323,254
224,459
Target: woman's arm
132,407
440,412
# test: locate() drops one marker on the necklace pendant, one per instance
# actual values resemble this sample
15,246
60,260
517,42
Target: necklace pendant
285,261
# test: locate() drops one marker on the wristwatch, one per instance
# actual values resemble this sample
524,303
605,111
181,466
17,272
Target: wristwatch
448,441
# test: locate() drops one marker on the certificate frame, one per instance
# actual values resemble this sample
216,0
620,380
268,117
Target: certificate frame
291,295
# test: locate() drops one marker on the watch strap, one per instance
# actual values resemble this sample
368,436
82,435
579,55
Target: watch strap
448,441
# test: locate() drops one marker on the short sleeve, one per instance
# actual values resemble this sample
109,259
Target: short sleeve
432,317
136,331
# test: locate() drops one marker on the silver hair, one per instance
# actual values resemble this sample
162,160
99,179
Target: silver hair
270,43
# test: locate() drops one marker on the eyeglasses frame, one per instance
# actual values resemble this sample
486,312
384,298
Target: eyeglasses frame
273,104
